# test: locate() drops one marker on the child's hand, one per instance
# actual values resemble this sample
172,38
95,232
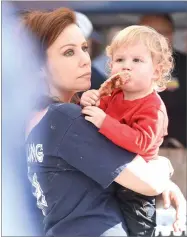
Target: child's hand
94,115
90,97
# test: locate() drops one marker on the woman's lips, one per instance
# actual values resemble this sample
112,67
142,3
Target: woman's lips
87,74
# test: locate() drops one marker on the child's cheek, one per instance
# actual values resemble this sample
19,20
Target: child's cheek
114,70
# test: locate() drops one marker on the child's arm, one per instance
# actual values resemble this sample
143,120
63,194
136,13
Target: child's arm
104,101
92,97
143,133
89,98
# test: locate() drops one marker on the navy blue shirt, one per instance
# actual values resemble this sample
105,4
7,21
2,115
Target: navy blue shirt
72,168
97,78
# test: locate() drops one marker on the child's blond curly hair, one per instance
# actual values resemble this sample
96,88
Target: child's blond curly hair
158,45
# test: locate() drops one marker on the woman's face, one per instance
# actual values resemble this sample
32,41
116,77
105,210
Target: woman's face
68,62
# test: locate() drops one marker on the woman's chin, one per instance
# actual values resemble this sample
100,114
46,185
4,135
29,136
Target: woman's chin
84,87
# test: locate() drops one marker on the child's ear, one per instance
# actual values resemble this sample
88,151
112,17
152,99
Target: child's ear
110,65
157,72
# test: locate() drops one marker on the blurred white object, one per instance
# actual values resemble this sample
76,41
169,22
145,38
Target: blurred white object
19,86
165,219
85,24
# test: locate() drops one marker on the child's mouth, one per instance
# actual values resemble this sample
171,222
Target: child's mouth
125,77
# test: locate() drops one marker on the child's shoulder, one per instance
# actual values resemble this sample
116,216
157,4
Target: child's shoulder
156,101
116,92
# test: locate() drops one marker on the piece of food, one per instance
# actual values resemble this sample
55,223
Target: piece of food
116,81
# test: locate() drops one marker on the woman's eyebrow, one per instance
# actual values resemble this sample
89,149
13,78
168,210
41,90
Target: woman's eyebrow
74,45
67,45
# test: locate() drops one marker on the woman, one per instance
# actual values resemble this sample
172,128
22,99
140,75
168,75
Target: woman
71,166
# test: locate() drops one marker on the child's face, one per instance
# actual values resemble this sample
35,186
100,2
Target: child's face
137,60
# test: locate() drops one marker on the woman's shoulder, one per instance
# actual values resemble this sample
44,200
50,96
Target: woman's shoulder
70,109
58,113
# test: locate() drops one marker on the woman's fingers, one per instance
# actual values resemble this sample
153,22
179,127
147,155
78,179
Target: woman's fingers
166,199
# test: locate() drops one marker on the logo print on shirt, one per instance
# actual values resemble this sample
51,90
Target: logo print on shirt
41,202
35,153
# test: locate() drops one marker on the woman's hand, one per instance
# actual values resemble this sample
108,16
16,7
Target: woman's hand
173,196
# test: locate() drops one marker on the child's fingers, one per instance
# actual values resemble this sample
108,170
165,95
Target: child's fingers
92,101
88,111
85,103
97,103
88,101
88,118
96,93
94,97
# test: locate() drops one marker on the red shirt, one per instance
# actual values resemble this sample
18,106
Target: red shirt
138,126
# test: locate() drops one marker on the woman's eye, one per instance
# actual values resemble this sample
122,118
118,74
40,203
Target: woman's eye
85,48
69,52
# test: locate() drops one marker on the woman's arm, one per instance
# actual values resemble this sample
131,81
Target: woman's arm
146,178
173,195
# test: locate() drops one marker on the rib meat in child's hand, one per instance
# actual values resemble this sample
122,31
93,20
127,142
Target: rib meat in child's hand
116,81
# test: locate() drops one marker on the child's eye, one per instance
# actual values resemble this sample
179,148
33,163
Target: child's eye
137,60
69,53
118,60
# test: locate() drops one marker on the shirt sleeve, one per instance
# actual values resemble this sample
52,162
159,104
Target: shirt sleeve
104,102
147,127
90,152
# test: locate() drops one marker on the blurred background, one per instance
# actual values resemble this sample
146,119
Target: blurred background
105,18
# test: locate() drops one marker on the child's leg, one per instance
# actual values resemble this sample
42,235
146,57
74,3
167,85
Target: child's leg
139,212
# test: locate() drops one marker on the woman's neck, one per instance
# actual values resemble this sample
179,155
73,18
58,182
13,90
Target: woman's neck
61,95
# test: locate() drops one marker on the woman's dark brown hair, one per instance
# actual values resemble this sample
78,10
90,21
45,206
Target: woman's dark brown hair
47,26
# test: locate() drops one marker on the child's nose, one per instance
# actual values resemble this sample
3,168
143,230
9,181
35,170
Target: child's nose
127,66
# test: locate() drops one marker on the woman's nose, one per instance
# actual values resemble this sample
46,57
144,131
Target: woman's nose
85,59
